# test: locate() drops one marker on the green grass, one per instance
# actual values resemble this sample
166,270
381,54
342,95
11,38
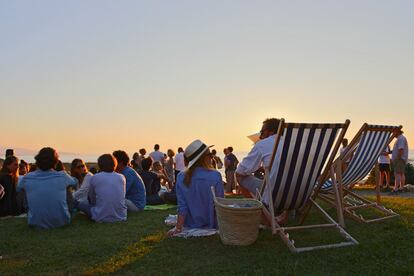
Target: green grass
139,246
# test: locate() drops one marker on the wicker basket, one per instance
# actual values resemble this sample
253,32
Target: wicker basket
237,225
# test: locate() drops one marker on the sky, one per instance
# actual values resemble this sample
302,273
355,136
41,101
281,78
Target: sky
95,76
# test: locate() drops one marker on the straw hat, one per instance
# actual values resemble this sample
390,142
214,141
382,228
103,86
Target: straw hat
194,151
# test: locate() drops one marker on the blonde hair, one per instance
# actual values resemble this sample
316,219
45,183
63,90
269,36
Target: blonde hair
201,162
170,153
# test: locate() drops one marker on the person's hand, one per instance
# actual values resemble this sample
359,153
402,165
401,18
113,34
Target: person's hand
2,193
174,231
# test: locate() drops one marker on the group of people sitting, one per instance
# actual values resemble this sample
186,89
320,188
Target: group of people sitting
50,194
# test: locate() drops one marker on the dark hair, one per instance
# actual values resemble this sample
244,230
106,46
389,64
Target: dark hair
135,155
46,159
180,149
9,160
23,164
107,163
230,149
142,151
9,152
73,170
122,157
32,167
156,147
93,170
271,124
5,171
213,152
59,166
146,164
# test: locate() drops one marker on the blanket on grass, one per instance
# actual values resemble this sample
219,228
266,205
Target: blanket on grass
171,220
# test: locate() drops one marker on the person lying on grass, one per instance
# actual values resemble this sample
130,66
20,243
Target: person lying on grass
193,186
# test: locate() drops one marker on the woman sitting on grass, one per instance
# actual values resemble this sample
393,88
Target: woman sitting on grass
79,171
8,182
195,201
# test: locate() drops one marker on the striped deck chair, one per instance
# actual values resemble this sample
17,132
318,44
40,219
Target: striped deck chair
300,158
364,149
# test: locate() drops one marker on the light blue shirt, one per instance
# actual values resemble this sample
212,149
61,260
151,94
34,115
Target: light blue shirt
46,197
107,197
195,201
135,188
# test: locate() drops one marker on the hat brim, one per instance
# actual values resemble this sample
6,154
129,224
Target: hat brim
192,162
254,137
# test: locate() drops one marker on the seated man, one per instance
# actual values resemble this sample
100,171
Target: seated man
260,157
46,192
106,193
135,189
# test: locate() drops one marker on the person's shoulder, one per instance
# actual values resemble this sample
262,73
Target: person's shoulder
119,176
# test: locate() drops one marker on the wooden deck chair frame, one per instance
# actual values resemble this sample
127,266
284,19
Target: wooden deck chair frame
350,201
269,211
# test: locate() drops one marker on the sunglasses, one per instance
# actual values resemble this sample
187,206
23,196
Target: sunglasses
80,166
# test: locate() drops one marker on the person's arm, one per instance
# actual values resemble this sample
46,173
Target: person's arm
91,193
84,188
70,181
128,183
182,210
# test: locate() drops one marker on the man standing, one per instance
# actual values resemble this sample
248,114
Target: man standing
231,163
157,155
179,162
399,160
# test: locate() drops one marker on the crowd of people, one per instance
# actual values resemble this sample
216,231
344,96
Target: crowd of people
50,195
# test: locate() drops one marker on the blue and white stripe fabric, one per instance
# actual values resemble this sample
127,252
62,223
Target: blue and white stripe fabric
303,153
371,144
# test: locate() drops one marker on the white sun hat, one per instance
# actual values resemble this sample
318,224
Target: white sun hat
194,151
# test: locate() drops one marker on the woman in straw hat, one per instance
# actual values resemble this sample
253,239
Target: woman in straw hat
195,201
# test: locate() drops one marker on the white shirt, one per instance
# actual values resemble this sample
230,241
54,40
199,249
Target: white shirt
260,155
385,159
82,193
157,156
179,162
401,143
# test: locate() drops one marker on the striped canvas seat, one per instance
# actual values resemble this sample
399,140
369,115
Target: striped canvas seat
371,144
301,155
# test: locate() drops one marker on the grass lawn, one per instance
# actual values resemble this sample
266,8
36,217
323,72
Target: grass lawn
140,247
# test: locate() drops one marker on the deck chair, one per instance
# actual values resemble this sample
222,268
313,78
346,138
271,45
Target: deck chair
302,155
364,149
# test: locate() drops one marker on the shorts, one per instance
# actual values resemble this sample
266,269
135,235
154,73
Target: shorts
384,167
399,165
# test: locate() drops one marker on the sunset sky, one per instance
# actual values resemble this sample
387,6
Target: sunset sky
94,76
